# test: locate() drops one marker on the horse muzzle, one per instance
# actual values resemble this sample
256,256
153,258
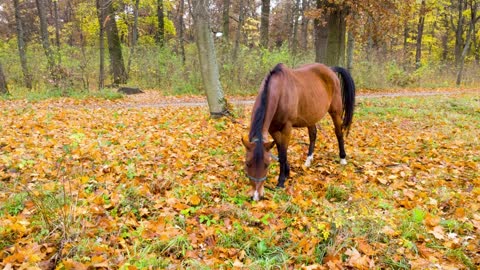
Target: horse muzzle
257,187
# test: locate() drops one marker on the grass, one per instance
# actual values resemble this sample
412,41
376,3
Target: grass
336,194
14,205
177,246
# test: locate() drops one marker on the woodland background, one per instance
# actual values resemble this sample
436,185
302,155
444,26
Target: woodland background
55,46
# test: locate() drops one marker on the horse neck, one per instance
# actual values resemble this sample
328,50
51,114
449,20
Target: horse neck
269,110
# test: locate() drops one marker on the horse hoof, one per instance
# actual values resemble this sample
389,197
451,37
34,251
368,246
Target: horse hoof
280,186
343,161
308,162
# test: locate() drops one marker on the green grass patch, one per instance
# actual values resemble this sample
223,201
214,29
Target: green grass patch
14,205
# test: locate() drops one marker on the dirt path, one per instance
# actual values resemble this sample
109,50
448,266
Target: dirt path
154,99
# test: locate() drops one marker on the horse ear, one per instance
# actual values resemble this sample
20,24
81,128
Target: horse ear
246,142
269,145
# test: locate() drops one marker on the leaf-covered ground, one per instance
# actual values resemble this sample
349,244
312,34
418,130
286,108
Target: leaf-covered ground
91,185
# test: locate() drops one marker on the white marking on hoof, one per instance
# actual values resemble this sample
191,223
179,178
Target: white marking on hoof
308,162
256,196
343,161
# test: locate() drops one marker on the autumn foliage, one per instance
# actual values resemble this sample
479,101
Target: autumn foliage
99,184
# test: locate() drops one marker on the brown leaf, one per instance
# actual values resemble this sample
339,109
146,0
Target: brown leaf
364,247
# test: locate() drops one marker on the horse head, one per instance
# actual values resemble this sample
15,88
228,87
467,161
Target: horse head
257,161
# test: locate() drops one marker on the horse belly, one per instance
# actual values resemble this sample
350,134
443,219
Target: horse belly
310,114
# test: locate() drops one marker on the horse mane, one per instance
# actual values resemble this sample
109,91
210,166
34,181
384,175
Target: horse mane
259,115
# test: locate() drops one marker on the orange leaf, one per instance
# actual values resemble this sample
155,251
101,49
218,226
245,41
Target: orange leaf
431,220
194,200
364,247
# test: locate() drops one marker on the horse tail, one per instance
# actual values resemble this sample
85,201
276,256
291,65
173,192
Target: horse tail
259,116
348,97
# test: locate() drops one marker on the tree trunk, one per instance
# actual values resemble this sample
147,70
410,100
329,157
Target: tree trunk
321,35
476,49
207,58
406,33
296,15
27,77
304,26
161,24
350,48
84,61
421,23
134,36
45,40
473,21
336,38
264,23
462,57
444,39
117,66
226,19
238,34
459,33
57,26
101,21
3,82
180,30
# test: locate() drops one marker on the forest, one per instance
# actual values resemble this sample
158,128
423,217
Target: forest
94,179
64,46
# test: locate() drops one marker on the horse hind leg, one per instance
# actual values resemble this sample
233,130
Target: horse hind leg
312,134
337,122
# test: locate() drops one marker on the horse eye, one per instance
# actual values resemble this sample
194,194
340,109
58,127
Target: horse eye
266,165
249,164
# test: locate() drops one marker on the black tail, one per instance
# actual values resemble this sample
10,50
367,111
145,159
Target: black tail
348,97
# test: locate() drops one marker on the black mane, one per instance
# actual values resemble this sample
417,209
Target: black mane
255,134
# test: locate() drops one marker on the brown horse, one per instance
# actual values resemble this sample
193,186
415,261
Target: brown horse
295,98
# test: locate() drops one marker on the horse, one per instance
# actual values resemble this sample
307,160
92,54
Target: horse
295,98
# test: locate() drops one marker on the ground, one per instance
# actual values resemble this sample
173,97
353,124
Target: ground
153,181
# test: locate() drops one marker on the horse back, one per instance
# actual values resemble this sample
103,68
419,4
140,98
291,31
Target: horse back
313,88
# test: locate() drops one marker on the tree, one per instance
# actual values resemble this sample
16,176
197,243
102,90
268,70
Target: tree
161,23
330,34
208,63
117,66
304,25
101,36
226,19
134,35
264,23
459,31
293,37
3,82
241,14
181,26
421,24
320,33
42,15
27,78
57,25
473,20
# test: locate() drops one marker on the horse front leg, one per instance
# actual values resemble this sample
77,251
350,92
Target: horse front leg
281,140
312,134
284,167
